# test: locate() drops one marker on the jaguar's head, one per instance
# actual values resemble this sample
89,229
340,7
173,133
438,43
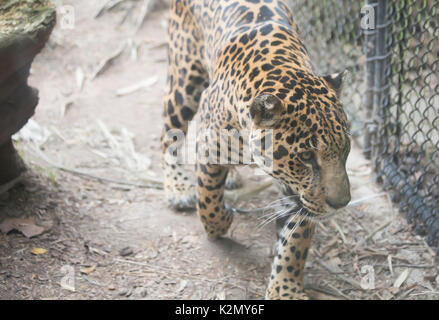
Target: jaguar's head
300,138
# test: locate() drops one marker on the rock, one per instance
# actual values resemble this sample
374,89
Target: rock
25,27
125,252
141,292
123,291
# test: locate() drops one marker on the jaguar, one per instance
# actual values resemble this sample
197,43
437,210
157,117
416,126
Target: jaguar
240,67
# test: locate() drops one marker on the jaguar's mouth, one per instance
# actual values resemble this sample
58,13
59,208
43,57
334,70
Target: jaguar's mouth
297,206
307,213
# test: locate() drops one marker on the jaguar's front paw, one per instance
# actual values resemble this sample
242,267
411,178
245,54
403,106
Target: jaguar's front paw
216,224
285,292
181,200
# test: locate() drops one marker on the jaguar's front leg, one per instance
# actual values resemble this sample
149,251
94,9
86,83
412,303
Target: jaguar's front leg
286,279
210,194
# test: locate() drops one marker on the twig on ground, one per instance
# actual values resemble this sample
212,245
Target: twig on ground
401,278
413,266
352,282
392,207
364,254
389,261
320,293
430,250
340,231
406,293
338,291
128,12
168,271
324,229
370,235
329,246
92,281
107,62
155,183
108,6
137,86
144,10
425,292
357,221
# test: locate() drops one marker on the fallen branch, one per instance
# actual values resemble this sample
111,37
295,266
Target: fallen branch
370,235
137,86
365,254
412,266
319,293
340,231
144,10
156,184
352,282
128,13
108,7
246,193
168,271
107,62
338,291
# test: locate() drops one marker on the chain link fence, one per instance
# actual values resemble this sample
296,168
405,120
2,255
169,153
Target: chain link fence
391,48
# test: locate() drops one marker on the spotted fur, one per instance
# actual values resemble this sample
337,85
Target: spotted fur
242,66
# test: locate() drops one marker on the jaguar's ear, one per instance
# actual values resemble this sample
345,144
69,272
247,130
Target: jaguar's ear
335,81
266,110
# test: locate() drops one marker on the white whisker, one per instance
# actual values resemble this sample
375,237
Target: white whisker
296,226
278,214
364,199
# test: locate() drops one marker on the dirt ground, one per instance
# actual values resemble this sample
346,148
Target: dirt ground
108,231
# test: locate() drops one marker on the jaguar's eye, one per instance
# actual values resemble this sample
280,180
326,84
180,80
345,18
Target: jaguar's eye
306,156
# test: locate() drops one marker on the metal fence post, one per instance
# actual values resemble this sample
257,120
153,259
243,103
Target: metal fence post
381,82
369,50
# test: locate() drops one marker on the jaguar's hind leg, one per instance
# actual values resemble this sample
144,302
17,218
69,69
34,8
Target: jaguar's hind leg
186,81
181,103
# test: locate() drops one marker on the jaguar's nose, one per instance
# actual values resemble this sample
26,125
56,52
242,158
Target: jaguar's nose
339,203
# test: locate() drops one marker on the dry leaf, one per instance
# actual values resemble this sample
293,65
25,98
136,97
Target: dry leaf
402,277
38,251
25,226
88,270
